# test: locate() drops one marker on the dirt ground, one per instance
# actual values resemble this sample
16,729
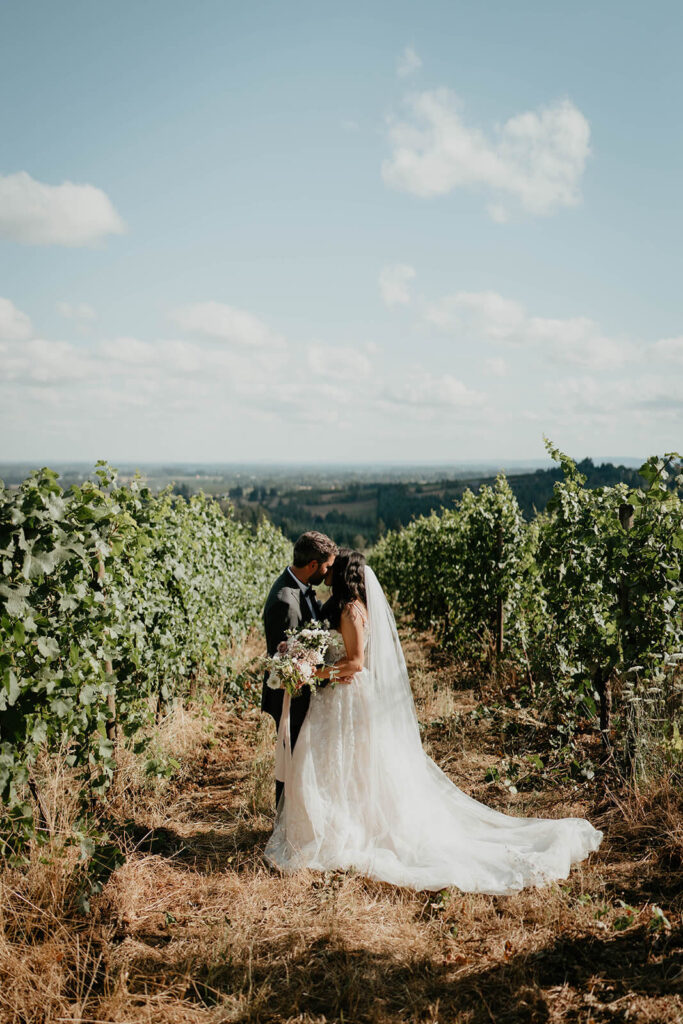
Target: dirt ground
194,927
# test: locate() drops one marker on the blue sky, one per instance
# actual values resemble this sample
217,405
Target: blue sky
381,231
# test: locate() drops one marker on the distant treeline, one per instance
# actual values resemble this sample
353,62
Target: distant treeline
359,514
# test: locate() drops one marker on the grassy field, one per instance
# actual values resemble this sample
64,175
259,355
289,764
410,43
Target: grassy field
195,928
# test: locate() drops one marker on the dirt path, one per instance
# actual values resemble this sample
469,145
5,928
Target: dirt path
195,927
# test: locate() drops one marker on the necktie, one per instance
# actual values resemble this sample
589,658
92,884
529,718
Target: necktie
309,594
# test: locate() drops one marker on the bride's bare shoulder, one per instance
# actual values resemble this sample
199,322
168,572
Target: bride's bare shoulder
355,612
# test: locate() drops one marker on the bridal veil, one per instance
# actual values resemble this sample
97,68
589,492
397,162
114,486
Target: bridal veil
362,794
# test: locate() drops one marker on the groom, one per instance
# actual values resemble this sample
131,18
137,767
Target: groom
290,604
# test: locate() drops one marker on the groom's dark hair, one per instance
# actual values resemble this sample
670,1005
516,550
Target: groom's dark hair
313,547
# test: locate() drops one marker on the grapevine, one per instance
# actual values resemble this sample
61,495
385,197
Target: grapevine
112,601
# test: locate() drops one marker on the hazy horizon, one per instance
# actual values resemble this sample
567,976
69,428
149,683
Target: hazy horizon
233,465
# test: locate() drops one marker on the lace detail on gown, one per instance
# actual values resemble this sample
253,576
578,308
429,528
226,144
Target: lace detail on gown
360,796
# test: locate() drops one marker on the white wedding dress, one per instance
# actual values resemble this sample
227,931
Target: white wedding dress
361,793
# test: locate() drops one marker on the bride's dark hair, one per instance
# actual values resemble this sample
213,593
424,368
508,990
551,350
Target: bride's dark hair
348,583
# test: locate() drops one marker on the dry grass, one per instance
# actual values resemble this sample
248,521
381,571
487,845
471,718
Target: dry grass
195,928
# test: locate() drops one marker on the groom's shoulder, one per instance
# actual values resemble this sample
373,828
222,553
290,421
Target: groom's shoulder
283,589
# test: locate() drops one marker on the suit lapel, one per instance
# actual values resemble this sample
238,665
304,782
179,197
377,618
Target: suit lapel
305,609
289,581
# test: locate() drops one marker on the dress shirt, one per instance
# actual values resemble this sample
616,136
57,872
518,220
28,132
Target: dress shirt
303,587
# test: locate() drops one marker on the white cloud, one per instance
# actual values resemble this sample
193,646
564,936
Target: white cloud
226,323
487,312
79,311
39,361
235,370
198,374
345,364
393,284
496,367
38,214
580,341
14,325
498,213
536,158
408,63
421,388
130,351
488,315
670,349
646,398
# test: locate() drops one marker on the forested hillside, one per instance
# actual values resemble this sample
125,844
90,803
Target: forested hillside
358,514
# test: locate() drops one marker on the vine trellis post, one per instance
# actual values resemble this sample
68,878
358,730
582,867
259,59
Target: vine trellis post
500,612
108,668
626,515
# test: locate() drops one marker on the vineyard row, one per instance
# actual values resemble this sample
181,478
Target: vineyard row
112,602
591,592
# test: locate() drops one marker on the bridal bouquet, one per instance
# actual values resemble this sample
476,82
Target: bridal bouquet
294,663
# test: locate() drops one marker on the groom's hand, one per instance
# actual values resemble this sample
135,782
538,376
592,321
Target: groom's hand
345,679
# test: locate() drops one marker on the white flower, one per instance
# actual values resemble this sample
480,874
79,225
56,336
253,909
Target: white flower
273,681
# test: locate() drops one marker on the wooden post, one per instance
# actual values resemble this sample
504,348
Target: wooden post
41,813
626,513
109,669
626,516
604,688
500,614
604,680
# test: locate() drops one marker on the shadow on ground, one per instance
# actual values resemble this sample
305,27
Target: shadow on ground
339,982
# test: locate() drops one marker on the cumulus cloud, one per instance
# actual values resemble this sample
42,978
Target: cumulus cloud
394,283
38,361
136,387
490,316
38,214
423,389
14,325
646,398
408,63
670,349
79,311
135,364
226,323
345,364
164,356
496,367
486,312
536,159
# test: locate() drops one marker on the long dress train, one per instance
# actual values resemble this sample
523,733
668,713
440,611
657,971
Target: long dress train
361,793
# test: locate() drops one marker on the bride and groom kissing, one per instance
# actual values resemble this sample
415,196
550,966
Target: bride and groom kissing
292,603
354,788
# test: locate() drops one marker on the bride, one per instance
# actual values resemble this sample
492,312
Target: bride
361,793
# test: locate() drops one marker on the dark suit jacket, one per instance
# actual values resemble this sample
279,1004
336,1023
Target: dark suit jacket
285,608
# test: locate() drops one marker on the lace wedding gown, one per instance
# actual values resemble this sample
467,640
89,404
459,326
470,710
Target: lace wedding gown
361,793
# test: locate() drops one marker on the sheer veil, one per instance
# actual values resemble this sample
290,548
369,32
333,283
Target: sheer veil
362,793
389,698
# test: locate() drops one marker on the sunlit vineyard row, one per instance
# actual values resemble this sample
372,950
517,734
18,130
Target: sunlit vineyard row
590,596
113,601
